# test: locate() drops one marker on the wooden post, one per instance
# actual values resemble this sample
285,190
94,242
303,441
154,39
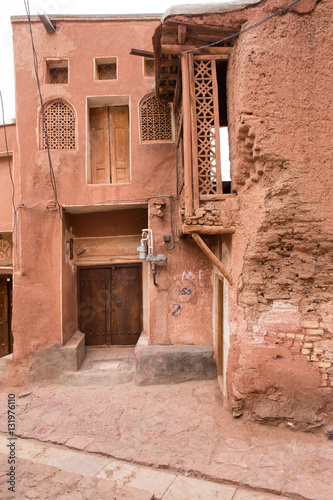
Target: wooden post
207,251
187,137
195,163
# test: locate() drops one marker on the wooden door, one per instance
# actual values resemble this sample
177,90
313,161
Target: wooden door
94,283
126,304
5,316
109,135
110,305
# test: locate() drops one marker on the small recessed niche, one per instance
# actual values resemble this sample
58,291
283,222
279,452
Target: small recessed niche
57,71
106,68
148,66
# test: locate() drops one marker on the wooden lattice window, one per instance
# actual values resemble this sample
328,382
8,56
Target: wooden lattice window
59,125
107,71
156,120
149,67
57,72
206,127
106,68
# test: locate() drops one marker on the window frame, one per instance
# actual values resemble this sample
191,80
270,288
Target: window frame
172,125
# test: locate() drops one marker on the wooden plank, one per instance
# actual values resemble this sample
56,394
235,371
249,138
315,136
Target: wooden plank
207,251
217,197
219,188
142,53
180,49
202,229
195,166
168,76
100,148
206,57
187,136
182,34
119,140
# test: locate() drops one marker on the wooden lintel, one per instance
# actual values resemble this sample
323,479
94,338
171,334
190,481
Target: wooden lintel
217,197
142,53
202,229
180,49
207,251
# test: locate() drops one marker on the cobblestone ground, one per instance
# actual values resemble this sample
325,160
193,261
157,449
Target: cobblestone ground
180,428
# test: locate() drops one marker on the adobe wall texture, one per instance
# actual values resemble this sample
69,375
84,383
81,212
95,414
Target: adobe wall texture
281,310
6,189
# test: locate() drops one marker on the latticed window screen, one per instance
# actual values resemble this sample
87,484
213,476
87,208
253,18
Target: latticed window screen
149,67
206,101
60,127
58,75
107,71
156,122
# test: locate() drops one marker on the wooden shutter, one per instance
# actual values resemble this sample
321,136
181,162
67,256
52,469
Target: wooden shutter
100,145
119,140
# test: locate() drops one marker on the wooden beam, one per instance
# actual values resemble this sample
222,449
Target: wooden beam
168,76
142,53
207,251
187,136
217,197
182,34
180,49
47,23
198,228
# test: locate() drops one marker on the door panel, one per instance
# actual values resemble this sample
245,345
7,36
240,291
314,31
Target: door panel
93,288
126,305
110,305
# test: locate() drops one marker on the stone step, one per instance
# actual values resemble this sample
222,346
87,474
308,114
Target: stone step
101,372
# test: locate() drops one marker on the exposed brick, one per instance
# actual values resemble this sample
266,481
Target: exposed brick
324,364
310,324
290,335
306,351
307,345
299,336
318,331
295,350
317,350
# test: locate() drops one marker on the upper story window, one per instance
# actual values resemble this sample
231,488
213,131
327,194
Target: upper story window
148,66
109,144
106,68
57,71
59,126
155,120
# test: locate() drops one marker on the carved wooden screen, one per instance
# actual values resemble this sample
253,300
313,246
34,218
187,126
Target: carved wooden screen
156,120
205,127
59,125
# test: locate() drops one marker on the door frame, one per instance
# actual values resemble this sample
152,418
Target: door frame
9,281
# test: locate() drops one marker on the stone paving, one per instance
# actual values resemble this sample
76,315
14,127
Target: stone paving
180,429
52,471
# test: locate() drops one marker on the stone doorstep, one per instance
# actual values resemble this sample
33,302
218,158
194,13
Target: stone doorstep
159,484
173,364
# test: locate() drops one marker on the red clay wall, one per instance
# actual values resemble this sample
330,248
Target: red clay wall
45,282
281,309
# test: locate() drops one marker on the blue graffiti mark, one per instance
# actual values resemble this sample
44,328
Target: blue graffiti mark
177,311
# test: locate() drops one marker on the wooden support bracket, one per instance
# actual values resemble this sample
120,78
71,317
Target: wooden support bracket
207,251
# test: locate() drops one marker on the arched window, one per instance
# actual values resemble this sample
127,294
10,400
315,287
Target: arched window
59,125
156,121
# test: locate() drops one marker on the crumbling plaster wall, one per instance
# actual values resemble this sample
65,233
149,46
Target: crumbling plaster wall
281,358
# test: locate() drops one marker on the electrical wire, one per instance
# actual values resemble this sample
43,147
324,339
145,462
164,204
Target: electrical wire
245,29
11,180
52,175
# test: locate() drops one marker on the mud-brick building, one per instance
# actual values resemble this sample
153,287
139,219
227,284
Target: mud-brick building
139,122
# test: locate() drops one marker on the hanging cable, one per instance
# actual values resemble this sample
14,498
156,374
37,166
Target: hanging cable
11,178
245,29
52,175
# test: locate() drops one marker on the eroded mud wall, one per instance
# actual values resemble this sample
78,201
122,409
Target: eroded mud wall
281,313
